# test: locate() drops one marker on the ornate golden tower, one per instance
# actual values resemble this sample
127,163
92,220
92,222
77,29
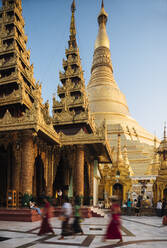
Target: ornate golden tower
17,83
160,186
73,105
24,120
120,173
153,168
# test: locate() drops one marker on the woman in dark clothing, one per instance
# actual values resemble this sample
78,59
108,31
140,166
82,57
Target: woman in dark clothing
77,217
163,207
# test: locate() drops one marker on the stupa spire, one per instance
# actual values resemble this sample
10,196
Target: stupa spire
72,41
102,37
102,86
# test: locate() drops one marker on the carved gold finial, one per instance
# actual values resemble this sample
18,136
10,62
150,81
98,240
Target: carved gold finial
72,42
102,17
72,25
73,6
102,37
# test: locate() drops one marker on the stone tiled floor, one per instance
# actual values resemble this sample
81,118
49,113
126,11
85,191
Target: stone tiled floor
140,232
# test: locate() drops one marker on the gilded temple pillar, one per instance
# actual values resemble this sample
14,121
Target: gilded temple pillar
162,193
27,163
124,192
91,181
50,173
79,171
17,167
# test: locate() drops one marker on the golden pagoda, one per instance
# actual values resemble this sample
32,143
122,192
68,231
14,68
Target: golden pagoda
107,102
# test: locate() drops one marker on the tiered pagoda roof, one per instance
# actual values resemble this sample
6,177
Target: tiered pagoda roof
71,113
21,104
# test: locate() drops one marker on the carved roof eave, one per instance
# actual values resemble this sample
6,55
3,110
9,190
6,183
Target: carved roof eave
82,138
69,122
14,101
9,123
37,127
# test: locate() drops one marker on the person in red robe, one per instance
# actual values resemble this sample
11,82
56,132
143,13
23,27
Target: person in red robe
45,225
113,229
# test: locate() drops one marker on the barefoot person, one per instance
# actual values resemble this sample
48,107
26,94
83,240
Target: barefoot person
113,230
45,225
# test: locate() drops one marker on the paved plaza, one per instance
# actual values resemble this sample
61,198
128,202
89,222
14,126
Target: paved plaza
140,232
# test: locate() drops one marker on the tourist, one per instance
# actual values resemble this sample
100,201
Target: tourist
136,207
77,216
33,206
113,230
159,208
45,225
65,217
129,206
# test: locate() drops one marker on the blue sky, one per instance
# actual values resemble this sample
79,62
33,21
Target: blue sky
138,40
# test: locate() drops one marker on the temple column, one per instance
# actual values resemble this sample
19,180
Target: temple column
91,181
50,171
79,169
27,163
17,167
124,192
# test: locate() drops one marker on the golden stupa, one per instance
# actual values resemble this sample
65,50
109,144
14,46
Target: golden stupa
107,102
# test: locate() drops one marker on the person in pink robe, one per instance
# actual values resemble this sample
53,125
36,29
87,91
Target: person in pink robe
113,229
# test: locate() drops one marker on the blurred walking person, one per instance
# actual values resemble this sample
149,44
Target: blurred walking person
66,215
159,208
113,230
45,225
77,216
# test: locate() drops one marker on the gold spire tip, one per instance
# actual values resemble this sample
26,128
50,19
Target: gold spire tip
102,4
73,6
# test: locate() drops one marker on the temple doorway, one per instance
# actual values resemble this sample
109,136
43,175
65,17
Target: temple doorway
39,180
118,190
62,178
6,173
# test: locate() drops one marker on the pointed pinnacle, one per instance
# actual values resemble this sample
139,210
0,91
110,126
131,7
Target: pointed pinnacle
73,6
102,4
